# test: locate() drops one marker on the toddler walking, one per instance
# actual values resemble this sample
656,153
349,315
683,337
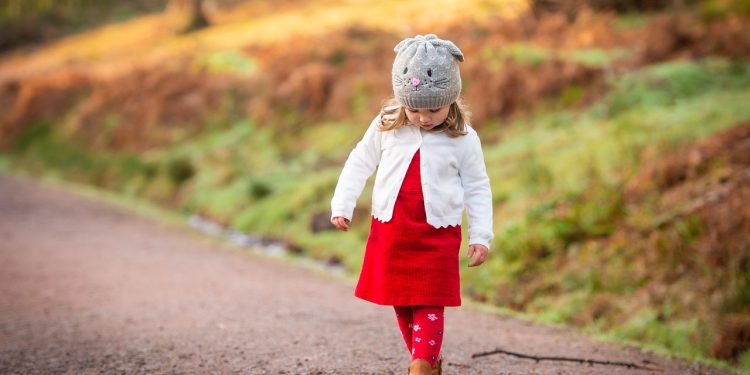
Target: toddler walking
429,167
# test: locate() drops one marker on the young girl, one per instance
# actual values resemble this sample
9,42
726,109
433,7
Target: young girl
430,166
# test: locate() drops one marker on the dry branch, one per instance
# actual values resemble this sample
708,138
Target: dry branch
569,359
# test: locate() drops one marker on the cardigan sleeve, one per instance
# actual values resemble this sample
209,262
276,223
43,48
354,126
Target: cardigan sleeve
360,165
477,192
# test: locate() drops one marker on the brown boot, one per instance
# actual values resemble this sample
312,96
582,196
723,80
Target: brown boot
420,367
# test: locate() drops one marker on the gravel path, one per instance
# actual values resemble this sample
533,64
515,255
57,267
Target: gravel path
87,288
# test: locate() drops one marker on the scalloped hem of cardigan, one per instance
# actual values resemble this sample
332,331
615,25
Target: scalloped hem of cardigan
442,225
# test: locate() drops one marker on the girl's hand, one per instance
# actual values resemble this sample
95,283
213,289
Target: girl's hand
478,254
341,223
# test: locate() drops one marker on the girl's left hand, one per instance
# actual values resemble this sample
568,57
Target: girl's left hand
478,254
341,223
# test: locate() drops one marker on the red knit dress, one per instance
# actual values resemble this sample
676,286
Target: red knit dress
408,262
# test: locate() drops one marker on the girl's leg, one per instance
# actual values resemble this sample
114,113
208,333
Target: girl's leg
405,319
427,332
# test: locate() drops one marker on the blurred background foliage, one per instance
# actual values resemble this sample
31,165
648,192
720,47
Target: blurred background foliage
616,135
35,21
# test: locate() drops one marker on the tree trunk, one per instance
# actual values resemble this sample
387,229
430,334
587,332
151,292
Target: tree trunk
189,13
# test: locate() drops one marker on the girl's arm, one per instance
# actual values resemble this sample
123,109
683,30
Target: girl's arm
477,194
358,168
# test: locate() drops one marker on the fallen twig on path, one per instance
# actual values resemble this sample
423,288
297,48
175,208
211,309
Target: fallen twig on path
569,359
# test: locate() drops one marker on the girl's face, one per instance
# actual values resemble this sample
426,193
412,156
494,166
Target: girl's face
427,119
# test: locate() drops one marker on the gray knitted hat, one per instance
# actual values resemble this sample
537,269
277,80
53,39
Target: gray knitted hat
425,72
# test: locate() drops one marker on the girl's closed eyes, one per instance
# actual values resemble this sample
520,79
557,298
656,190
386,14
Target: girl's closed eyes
433,110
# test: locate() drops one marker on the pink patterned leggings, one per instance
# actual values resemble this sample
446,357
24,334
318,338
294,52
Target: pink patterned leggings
422,329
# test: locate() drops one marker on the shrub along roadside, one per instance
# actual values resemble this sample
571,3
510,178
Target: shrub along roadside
579,243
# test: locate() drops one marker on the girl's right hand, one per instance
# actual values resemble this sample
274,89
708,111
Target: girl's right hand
341,223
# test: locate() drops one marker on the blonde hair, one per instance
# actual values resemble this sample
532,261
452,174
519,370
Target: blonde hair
393,116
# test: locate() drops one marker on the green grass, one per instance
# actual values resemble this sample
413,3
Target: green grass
227,61
4,163
531,55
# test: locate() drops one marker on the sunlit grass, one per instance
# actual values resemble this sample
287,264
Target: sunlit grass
152,38
316,19
123,43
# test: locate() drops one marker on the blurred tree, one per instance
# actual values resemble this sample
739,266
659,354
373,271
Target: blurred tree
189,13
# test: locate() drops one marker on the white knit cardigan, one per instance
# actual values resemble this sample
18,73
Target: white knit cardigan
453,174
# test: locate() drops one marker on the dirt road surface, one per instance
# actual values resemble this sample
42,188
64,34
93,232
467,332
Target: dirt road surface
89,288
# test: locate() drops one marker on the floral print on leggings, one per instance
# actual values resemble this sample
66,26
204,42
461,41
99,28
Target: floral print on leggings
422,330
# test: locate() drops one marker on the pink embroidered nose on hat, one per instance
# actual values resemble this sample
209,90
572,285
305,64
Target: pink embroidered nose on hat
425,72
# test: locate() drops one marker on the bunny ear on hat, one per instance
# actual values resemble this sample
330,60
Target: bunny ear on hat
451,47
